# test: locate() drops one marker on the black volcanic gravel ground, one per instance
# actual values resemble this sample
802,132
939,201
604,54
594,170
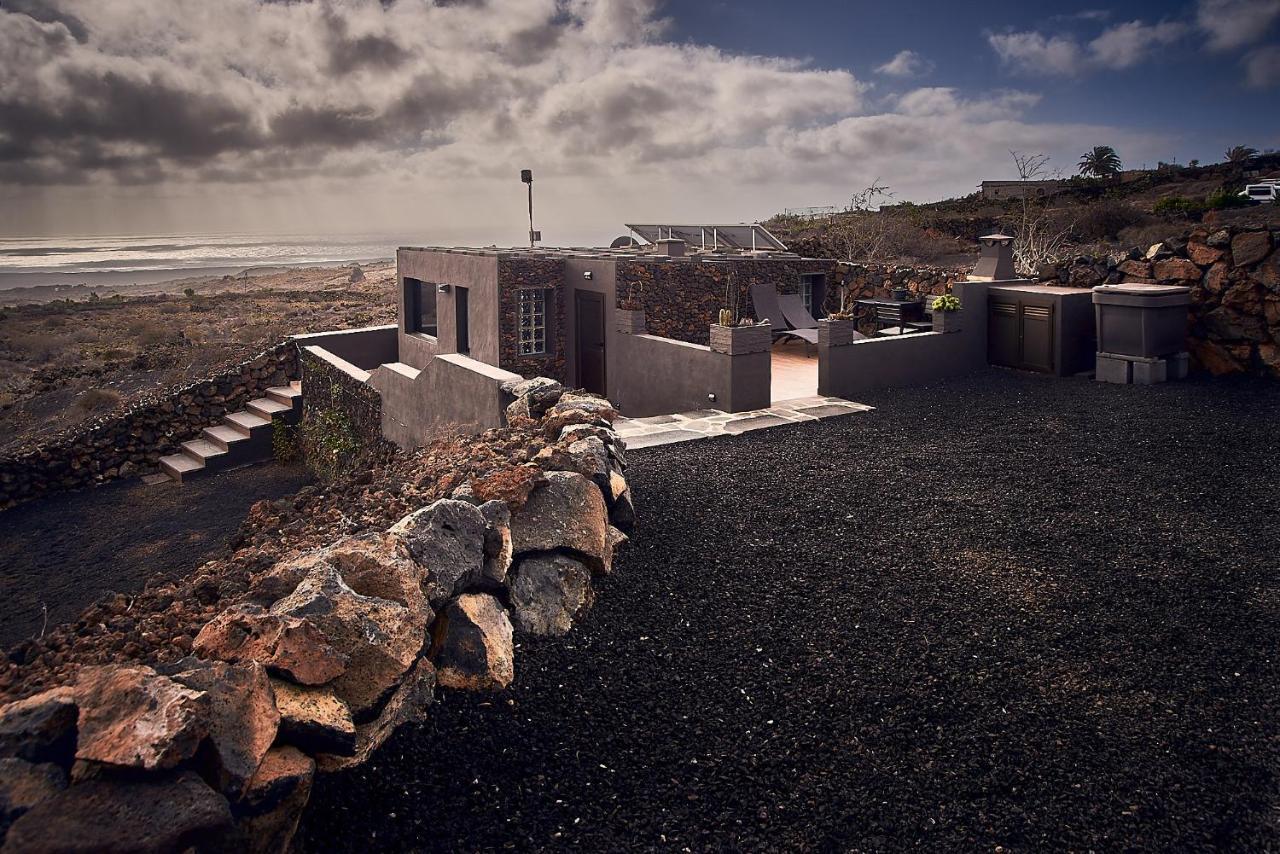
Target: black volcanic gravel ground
69,550
1012,611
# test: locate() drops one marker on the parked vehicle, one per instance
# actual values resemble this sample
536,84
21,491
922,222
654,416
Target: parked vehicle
1265,192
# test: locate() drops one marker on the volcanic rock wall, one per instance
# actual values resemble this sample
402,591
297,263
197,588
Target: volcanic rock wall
320,656
131,442
514,275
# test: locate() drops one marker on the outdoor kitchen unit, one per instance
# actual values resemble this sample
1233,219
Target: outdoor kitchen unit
1142,331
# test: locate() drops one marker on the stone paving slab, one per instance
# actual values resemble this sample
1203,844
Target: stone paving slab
703,423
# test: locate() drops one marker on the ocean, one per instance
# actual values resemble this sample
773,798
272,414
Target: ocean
106,261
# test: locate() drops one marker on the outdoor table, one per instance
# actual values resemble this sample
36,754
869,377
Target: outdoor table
895,312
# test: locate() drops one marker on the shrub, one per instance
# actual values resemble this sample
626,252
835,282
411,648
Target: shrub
149,332
946,302
189,291
1179,206
1105,220
1223,198
97,399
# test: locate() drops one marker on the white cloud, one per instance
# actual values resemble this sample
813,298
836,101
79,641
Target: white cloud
239,114
907,63
1117,47
1262,67
1232,24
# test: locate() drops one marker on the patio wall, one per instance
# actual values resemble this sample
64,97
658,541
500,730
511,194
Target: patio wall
661,376
365,348
453,393
848,370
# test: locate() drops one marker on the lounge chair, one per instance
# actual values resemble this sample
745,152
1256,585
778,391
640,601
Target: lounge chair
768,308
799,317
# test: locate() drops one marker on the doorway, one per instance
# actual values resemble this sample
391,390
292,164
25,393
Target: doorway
460,317
589,313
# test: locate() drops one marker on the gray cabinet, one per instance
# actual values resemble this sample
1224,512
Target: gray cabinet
1040,328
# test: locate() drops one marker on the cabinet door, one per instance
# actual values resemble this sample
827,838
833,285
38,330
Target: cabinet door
1036,324
1003,332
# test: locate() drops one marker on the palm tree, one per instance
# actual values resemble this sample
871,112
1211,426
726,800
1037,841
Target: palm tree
1240,153
1101,162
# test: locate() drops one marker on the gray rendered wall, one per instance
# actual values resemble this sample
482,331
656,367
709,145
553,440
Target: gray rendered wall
661,376
365,348
851,369
479,273
451,393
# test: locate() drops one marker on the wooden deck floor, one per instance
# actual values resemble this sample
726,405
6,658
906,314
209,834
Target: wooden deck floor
795,371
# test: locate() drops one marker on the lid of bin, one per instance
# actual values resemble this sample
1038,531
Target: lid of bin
1141,290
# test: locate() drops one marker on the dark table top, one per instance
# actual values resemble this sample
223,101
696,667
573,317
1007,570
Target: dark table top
881,301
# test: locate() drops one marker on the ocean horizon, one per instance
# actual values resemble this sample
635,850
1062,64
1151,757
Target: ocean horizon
115,261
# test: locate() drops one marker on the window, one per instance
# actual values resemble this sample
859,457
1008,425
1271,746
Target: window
532,321
419,306
806,293
813,294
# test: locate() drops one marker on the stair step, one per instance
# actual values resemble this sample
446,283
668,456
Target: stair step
284,394
266,408
296,385
223,436
245,422
202,449
178,465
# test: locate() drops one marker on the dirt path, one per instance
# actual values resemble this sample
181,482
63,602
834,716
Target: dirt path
1015,611
66,551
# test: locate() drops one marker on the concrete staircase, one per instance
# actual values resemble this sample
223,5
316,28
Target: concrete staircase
242,438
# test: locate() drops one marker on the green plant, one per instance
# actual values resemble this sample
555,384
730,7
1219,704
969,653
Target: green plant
285,446
1223,198
1101,162
1178,206
1240,153
947,302
189,291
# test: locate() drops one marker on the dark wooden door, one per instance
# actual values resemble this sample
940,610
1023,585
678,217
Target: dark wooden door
1036,323
1020,335
589,311
462,319
1002,333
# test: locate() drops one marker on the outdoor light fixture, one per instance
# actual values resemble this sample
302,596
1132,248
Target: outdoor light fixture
586,274
712,397
443,289
526,175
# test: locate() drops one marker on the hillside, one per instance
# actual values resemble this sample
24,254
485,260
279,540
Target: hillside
1093,217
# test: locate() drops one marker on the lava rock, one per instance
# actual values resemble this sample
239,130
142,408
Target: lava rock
548,592
41,728
314,719
446,539
272,805
567,513
133,717
292,647
497,541
472,648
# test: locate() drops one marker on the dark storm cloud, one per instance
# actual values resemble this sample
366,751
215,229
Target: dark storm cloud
46,13
347,54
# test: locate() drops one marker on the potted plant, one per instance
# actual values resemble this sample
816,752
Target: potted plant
737,337
901,293
629,315
837,329
946,313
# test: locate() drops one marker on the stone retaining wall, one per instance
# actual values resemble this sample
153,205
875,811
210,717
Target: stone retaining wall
319,657
341,412
130,442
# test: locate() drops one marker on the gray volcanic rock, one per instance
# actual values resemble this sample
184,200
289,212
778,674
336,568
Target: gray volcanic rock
446,539
566,513
153,815
23,785
41,728
548,592
497,541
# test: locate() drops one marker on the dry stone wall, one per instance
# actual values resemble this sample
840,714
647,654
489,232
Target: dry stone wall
320,656
131,442
341,414
514,275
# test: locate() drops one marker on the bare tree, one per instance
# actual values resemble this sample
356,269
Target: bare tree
863,232
1037,238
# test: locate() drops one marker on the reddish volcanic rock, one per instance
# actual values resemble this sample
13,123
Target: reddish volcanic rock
133,717
290,646
473,650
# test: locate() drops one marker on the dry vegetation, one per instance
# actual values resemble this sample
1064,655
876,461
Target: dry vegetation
64,361
1091,217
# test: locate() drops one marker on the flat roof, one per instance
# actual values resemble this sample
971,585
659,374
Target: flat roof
637,253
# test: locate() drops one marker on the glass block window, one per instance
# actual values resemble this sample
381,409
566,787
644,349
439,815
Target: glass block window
532,321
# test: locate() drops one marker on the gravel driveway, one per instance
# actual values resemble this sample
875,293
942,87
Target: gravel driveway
1011,611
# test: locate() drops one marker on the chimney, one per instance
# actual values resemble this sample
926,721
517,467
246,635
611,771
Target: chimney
996,262
672,247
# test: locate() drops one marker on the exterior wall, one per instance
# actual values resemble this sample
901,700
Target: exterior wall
1018,189
660,376
478,273
849,370
683,297
452,393
364,348
515,274
335,385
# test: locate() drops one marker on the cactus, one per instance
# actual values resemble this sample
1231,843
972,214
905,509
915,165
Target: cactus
726,317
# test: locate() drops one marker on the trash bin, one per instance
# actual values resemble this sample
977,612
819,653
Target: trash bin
1142,332
1141,320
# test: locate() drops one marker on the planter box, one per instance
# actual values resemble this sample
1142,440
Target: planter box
629,321
947,321
836,333
740,340
1145,321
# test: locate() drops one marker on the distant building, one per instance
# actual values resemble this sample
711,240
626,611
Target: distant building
999,190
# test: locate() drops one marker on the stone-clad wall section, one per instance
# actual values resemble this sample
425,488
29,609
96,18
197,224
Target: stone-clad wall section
683,297
315,660
331,392
131,442
515,274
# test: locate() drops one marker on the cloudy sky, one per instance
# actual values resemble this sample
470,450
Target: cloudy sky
412,116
